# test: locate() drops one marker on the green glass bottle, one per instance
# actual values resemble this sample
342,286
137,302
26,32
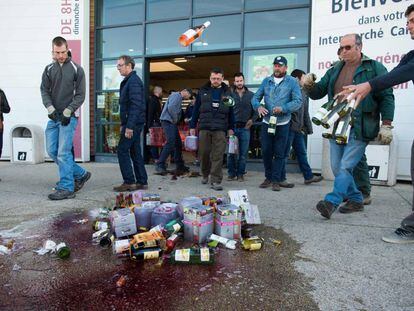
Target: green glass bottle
174,226
196,256
62,250
272,125
146,253
334,115
323,111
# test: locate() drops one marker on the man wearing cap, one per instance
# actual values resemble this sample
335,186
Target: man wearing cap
170,116
282,96
354,67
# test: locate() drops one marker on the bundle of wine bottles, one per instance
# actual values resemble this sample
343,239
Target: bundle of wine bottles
336,117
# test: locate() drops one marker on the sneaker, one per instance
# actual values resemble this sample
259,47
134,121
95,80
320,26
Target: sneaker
81,182
240,178
367,200
351,207
285,184
61,195
216,186
141,187
276,186
313,179
266,184
125,187
326,208
204,181
400,236
160,171
231,178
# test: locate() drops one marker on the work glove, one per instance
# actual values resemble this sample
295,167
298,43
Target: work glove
66,117
52,114
309,81
385,134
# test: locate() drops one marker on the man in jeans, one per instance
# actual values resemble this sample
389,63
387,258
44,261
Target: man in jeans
402,73
215,120
170,116
63,92
300,125
282,96
357,67
132,113
244,116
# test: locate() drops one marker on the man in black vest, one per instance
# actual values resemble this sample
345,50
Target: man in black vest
215,119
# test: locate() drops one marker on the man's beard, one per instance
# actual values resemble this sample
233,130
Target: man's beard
279,74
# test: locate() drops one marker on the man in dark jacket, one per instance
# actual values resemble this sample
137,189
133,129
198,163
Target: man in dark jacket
215,119
132,113
63,92
244,116
300,125
4,108
354,66
153,115
402,73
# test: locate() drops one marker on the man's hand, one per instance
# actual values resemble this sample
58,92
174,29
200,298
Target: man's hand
277,110
129,133
309,81
230,132
262,111
52,114
249,124
192,132
385,134
360,91
66,117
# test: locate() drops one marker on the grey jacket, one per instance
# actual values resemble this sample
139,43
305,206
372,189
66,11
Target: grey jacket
63,86
301,121
172,108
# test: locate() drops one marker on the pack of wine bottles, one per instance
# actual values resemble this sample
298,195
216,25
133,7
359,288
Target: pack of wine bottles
336,117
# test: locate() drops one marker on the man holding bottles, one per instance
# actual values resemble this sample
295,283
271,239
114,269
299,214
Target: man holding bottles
353,67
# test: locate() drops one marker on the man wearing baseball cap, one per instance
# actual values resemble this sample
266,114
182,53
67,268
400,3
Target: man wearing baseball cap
282,96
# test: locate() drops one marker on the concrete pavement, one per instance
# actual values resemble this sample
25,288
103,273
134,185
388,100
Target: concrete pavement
350,268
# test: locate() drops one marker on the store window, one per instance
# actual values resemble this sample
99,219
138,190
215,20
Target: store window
223,33
272,4
107,138
258,64
163,37
108,75
112,12
113,42
160,9
284,27
203,7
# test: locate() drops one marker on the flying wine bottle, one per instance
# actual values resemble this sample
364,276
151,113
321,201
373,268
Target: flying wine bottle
193,33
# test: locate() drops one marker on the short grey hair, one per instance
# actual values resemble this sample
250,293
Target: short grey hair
128,60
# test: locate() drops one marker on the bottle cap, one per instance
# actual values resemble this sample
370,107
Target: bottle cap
207,23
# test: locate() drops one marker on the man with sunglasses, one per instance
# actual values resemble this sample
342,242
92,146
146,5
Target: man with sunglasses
354,67
402,73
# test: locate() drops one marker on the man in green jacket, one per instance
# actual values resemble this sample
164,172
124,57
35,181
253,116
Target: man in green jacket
353,68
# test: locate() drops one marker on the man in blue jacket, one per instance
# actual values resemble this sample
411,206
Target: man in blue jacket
282,96
402,73
133,113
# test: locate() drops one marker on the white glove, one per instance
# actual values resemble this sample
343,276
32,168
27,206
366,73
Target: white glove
385,134
67,113
50,109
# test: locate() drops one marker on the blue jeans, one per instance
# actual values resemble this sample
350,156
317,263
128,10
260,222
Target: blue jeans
59,142
173,145
273,150
343,160
297,141
130,149
236,163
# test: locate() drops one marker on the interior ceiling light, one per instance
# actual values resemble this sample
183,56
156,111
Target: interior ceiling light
131,50
205,43
164,66
292,38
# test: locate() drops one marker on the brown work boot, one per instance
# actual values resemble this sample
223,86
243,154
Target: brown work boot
240,178
125,187
266,184
275,186
141,187
351,207
204,181
231,178
285,184
367,200
313,179
326,208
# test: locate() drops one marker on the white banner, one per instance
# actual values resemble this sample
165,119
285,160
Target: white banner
381,23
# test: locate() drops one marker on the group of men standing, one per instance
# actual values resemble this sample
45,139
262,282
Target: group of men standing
281,101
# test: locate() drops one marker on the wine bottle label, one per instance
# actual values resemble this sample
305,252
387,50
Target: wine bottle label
332,119
320,113
151,255
272,120
176,227
255,246
182,255
100,225
204,254
173,237
190,33
121,246
271,130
